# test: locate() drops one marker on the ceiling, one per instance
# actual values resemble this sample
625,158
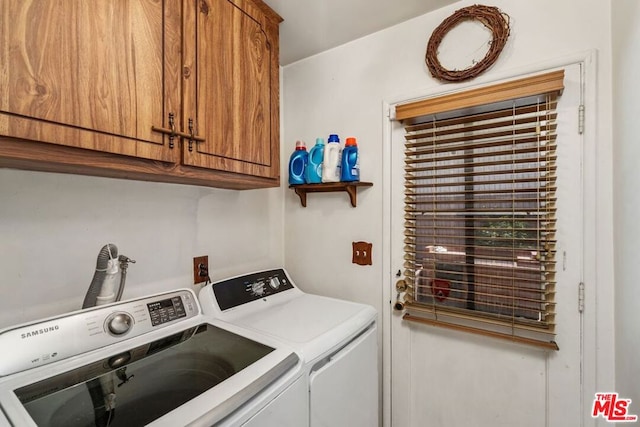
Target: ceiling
313,26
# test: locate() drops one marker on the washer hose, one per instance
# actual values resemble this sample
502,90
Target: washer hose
108,251
101,397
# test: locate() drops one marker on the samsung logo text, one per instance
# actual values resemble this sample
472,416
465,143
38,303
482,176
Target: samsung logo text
38,332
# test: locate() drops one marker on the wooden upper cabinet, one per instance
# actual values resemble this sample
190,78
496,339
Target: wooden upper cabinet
88,87
91,74
232,86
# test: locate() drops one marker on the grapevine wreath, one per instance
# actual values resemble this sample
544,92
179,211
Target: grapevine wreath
492,18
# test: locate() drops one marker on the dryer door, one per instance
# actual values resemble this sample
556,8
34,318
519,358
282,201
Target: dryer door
344,387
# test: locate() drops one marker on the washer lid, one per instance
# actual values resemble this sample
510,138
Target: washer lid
152,380
311,323
171,376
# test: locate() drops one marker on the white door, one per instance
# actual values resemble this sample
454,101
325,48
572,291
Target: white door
447,378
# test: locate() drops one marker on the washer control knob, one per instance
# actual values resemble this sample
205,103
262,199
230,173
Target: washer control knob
257,289
274,282
119,323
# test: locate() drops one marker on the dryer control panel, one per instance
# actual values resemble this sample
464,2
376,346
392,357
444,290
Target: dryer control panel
56,338
243,289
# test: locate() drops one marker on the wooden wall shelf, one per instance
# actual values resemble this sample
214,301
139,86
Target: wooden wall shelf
350,187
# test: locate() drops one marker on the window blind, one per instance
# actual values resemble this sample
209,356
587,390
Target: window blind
480,216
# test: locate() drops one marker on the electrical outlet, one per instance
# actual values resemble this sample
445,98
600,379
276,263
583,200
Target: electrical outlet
361,253
200,269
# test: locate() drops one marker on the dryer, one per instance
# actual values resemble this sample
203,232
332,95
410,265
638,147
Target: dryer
155,360
336,339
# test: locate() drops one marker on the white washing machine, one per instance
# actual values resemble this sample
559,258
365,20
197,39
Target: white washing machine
154,361
336,339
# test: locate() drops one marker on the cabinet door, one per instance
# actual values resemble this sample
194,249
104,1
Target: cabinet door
91,74
233,88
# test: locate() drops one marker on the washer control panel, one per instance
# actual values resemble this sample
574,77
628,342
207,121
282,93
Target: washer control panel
166,310
59,337
243,289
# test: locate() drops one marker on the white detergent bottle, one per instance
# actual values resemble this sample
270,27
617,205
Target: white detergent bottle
331,160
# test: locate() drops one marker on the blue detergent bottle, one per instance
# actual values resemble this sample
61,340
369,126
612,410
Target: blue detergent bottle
314,167
298,164
350,165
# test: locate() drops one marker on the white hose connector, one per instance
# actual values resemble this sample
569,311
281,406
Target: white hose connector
108,290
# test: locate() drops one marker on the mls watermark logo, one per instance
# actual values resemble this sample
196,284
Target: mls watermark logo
612,409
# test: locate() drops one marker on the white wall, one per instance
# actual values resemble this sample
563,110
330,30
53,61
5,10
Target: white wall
52,227
342,91
626,127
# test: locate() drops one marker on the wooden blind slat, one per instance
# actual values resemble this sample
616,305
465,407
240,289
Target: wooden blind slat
536,326
550,222
511,161
551,345
457,140
511,113
413,171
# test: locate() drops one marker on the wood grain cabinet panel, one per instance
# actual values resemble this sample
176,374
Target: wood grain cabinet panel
94,75
82,83
235,58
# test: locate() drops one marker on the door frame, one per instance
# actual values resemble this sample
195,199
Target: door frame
597,367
